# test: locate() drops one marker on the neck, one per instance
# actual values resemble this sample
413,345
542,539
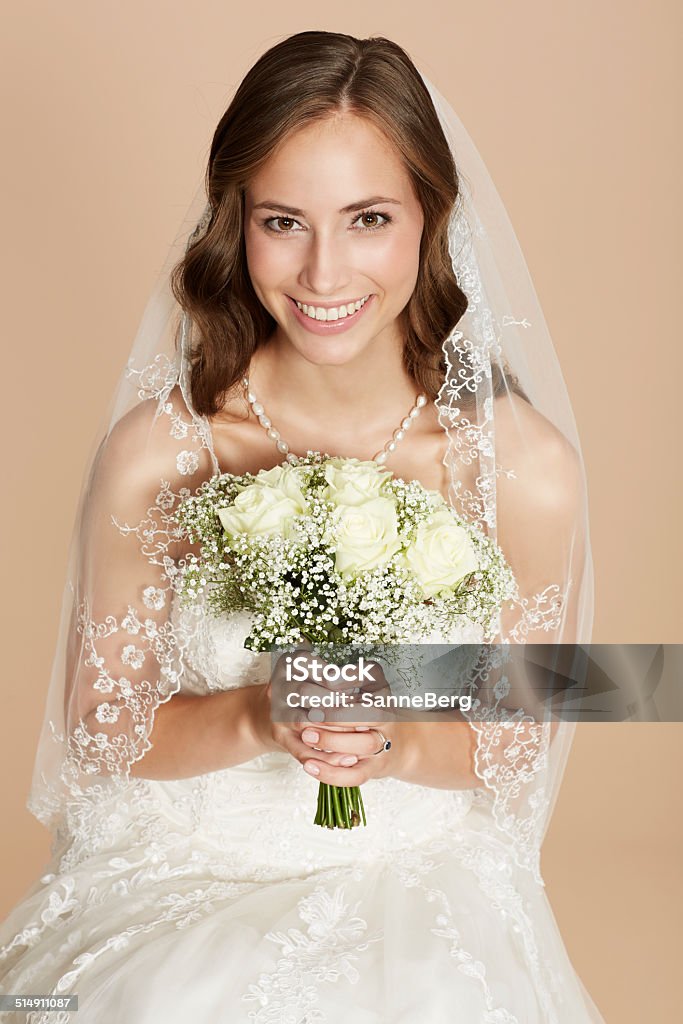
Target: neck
375,385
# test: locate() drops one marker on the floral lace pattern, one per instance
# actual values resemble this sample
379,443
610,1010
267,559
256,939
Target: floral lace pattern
148,857
138,859
326,951
511,756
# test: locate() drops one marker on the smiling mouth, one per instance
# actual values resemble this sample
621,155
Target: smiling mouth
325,314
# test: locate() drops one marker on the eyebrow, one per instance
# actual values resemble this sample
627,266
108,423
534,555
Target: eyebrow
270,204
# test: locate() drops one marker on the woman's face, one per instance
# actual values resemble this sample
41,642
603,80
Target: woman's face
332,233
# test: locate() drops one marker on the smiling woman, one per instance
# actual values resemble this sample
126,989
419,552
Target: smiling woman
353,265
341,192
338,281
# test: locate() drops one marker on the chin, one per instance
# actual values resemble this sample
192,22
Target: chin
328,358
324,354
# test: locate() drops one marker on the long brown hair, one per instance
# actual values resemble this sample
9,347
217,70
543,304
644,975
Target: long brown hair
307,77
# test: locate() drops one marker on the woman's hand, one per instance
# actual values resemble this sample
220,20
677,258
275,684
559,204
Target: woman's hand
337,750
432,752
436,754
353,760
277,735
340,748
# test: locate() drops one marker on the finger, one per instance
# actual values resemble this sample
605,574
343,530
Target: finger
342,718
319,690
335,776
377,694
290,741
300,710
330,758
301,751
362,744
321,744
355,725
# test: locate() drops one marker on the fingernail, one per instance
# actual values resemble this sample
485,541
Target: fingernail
348,761
310,735
311,768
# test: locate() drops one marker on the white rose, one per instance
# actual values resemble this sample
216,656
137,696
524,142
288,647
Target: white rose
367,536
285,478
440,554
436,499
353,482
259,510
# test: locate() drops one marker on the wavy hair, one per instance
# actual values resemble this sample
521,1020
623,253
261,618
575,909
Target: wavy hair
304,78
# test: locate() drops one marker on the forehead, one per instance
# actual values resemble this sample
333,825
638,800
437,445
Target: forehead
336,160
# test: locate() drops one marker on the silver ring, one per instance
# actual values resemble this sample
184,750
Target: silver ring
386,744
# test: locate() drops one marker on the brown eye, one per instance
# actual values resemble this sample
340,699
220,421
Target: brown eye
282,225
371,220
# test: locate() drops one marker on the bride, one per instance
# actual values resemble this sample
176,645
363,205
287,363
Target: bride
352,286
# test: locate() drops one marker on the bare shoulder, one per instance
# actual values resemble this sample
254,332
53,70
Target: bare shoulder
146,446
546,466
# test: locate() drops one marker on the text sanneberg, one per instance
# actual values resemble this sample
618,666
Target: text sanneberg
300,669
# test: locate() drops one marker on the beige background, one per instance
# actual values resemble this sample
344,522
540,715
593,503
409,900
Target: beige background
108,115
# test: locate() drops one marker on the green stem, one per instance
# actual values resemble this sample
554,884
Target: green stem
339,806
347,807
338,817
360,804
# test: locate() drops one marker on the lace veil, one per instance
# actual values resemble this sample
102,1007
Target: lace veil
515,468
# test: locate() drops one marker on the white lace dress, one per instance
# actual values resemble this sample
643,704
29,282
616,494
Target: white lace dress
216,898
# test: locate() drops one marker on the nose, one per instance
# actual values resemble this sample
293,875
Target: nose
325,270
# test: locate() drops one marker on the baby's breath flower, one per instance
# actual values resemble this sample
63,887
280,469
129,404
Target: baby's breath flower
288,578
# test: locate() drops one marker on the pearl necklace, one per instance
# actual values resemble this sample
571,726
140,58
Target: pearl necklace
282,446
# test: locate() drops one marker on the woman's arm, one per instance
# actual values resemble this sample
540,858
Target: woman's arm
126,650
192,734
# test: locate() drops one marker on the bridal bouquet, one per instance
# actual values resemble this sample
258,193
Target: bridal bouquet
338,551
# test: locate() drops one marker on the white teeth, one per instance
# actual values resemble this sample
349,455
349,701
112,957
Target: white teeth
334,313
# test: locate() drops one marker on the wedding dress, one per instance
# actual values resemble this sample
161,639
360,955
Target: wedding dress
216,898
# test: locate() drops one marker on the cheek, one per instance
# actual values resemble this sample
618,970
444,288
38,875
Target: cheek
266,259
400,261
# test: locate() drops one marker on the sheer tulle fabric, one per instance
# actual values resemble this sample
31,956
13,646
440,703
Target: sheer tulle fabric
215,896
220,883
